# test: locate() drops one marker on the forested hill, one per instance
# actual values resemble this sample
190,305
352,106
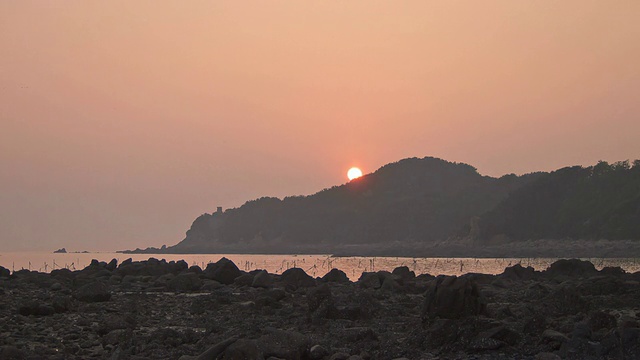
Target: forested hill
427,206
410,201
597,202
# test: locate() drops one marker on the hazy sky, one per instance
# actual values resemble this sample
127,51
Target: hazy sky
121,121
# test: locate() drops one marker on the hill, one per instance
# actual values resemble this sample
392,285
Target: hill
589,203
432,207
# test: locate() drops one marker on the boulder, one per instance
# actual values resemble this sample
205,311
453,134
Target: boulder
369,280
283,344
518,272
297,278
571,267
319,295
601,320
262,279
451,297
224,271
404,273
184,282
36,308
335,276
4,272
243,349
93,292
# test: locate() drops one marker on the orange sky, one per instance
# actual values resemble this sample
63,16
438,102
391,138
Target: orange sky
122,121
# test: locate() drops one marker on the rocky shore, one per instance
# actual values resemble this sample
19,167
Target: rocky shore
167,310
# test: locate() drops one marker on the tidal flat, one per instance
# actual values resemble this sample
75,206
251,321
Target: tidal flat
157,309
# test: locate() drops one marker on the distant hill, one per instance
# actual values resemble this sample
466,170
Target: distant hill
597,202
418,207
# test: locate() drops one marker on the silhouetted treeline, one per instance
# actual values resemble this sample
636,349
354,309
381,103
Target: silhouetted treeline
417,200
597,202
424,201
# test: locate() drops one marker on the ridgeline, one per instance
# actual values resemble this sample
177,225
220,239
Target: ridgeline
432,207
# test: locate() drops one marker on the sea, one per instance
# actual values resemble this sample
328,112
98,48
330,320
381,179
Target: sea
314,265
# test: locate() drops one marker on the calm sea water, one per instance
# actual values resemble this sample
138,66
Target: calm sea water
314,265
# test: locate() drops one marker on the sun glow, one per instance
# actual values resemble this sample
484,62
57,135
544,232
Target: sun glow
354,173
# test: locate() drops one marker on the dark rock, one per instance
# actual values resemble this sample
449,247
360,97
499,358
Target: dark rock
571,267
390,284
369,280
554,338
502,334
4,272
93,292
36,308
61,303
612,271
335,276
535,325
262,279
517,272
184,282
9,352
224,271
244,280
288,345
297,278
194,269
450,297
112,265
319,295
601,320
317,352
339,356
243,350
404,273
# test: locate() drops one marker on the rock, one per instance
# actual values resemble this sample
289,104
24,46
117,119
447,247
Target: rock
359,333
243,350
517,272
4,272
283,344
502,334
335,276
555,338
339,356
112,265
185,282
297,278
224,271
404,273
36,308
319,295
93,292
214,351
601,320
56,287
61,303
317,352
612,271
244,280
9,352
369,280
262,279
547,356
571,267
390,284
450,297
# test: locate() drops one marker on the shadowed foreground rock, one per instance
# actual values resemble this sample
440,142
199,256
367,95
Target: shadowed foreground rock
156,309
451,297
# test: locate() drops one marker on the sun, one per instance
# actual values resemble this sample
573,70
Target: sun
354,173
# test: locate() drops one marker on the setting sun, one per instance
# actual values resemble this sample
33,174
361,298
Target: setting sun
354,173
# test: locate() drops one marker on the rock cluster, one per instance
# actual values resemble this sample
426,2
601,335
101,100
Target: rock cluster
167,310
